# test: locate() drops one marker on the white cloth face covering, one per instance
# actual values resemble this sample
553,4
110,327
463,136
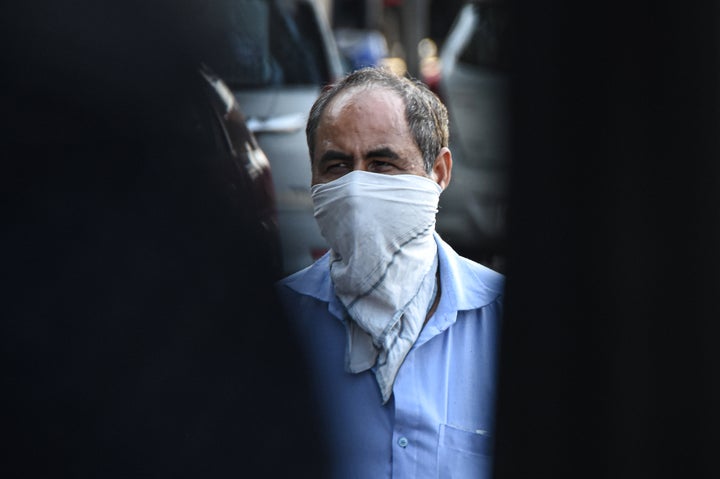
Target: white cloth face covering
383,263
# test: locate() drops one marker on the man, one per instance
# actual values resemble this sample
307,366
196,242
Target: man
400,330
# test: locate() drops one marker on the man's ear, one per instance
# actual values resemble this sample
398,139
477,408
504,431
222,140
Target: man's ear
442,169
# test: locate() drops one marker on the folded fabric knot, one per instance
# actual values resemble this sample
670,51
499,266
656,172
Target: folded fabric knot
383,263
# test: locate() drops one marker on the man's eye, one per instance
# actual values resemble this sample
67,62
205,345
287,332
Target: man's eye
382,166
337,166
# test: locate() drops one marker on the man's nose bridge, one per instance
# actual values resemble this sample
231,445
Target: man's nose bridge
359,163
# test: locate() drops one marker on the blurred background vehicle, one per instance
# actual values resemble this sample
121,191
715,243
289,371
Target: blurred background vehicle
277,56
249,177
474,84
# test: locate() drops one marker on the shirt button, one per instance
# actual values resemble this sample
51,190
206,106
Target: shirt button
403,442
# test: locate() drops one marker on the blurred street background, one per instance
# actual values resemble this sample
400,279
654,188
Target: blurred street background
276,55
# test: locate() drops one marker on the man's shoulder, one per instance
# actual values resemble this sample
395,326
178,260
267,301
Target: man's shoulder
472,284
314,281
307,296
482,273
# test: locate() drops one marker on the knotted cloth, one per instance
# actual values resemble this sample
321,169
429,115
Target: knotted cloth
383,263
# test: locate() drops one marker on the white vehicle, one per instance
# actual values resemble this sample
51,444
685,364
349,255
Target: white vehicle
279,54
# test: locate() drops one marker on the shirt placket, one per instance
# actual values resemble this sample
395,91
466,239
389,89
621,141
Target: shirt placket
405,440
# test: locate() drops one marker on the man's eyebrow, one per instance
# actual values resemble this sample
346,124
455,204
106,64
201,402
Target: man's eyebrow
334,155
383,153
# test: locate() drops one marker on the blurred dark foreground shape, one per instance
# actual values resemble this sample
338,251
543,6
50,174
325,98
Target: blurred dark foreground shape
139,334
610,366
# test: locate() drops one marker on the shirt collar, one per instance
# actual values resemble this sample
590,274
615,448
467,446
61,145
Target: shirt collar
465,286
314,280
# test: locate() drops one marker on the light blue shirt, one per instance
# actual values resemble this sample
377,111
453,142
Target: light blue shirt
439,420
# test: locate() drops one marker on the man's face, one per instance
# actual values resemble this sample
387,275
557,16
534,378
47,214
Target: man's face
365,129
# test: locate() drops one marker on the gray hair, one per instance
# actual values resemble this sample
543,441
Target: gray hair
426,116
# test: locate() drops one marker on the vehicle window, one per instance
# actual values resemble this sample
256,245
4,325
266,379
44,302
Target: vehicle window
488,45
272,42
